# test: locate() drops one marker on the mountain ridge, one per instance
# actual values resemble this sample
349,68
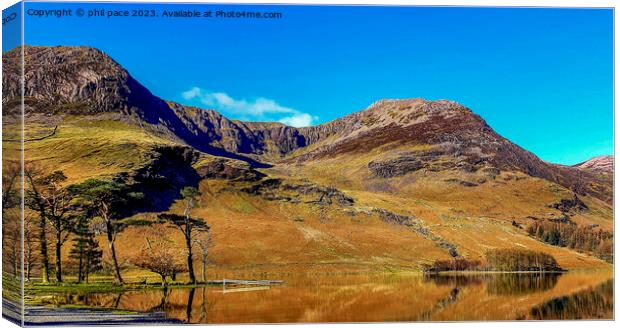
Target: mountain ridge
86,81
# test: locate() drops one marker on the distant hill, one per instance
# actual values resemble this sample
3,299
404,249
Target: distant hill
603,164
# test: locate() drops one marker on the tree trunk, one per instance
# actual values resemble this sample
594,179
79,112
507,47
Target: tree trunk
45,270
58,254
190,258
87,269
80,272
28,258
15,261
204,271
190,304
117,271
163,281
28,269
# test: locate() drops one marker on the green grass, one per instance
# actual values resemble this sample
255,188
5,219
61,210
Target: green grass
34,290
87,146
11,288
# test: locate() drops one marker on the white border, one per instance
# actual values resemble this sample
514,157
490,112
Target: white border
481,3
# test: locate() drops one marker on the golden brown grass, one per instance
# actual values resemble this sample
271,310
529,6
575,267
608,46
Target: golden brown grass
256,235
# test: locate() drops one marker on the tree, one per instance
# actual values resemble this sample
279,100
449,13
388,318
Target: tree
11,212
204,242
108,200
10,183
588,239
187,225
158,255
30,244
11,224
520,260
85,249
54,204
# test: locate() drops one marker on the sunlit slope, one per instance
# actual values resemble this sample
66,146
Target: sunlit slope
85,146
472,210
259,232
252,234
257,235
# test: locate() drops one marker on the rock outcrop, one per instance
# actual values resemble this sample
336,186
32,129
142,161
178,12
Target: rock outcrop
566,205
276,189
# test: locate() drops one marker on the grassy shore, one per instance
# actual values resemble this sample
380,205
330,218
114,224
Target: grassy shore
46,289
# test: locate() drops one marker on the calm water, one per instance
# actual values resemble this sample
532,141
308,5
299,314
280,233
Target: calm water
366,298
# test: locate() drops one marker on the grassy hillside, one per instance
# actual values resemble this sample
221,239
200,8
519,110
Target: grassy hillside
285,229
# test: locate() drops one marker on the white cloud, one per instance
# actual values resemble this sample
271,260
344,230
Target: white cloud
258,109
298,120
191,93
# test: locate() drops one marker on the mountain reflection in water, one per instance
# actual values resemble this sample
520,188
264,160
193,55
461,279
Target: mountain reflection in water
597,302
375,298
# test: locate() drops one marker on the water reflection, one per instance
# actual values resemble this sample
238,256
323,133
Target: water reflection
372,298
597,302
522,284
457,280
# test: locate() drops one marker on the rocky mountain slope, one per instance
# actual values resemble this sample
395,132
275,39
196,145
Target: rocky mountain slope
81,80
398,184
601,164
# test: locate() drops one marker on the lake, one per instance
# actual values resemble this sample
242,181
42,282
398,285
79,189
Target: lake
374,298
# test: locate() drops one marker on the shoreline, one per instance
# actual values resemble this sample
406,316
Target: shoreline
38,289
39,315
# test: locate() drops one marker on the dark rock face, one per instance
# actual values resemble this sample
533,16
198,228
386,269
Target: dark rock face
395,167
564,219
409,221
255,139
276,189
226,169
75,80
442,157
462,182
570,205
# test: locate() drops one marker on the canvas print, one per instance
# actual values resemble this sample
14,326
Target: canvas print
220,163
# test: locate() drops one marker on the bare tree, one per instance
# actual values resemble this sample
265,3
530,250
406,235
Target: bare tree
10,185
12,240
158,255
204,242
11,211
30,244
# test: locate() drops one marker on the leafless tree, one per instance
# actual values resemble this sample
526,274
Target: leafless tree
159,255
31,256
204,242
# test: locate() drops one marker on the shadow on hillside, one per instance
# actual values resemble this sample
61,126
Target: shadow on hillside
156,111
160,181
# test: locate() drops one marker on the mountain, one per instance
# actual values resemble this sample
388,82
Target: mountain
398,184
601,164
82,80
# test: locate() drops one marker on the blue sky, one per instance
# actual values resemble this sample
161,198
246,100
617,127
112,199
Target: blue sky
541,77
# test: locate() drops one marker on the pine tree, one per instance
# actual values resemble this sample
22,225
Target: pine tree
85,250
